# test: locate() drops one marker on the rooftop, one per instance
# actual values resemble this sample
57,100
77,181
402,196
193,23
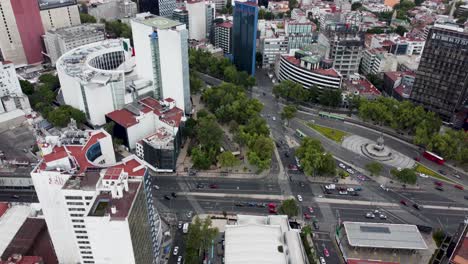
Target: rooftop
10,223
328,72
227,24
157,22
381,235
262,239
163,138
79,31
362,86
16,259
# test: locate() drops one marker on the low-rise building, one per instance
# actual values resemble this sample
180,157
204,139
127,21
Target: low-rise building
137,121
112,9
398,84
11,95
308,70
263,239
60,41
375,61
359,86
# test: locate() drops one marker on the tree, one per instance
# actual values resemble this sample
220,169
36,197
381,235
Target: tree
189,128
356,6
200,159
227,159
61,116
289,207
289,112
313,159
330,98
438,236
50,80
375,31
260,150
26,87
209,134
196,83
199,238
405,175
400,30
109,127
85,18
374,168
261,14
307,230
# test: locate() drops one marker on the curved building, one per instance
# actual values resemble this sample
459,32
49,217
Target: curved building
98,78
307,72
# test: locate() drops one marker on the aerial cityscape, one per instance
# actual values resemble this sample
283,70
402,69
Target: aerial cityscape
234,131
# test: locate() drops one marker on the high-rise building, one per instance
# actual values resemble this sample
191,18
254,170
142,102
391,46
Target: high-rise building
197,19
97,210
11,95
98,78
161,54
245,36
223,36
157,7
113,9
24,23
441,83
209,17
59,41
181,15
21,30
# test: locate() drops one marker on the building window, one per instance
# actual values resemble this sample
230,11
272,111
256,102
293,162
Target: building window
73,198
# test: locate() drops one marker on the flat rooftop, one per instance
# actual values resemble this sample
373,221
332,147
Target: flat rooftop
381,235
158,22
10,222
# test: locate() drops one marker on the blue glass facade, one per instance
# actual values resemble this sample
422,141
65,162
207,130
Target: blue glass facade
244,36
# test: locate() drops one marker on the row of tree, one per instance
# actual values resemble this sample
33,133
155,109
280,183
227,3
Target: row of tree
220,68
314,160
199,239
231,105
42,97
294,92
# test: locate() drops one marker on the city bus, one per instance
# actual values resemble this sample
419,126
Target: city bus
433,157
300,134
331,116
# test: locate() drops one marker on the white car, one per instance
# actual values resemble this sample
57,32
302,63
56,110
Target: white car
350,171
383,187
322,260
382,216
376,211
274,118
156,187
176,250
341,165
350,189
179,260
370,215
299,198
343,192
423,175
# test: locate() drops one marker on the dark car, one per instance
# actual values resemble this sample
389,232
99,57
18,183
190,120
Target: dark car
439,188
213,186
316,225
403,202
442,172
438,183
458,186
167,197
417,206
286,154
15,196
354,194
200,185
239,204
173,194
466,197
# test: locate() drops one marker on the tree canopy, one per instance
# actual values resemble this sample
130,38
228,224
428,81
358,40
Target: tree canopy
374,168
405,175
199,238
289,207
85,18
313,158
26,87
289,112
227,159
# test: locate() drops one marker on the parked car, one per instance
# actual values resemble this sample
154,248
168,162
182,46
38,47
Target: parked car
417,206
438,183
350,189
456,176
316,225
458,186
176,250
359,188
350,171
403,202
322,260
293,167
167,197
343,192
173,194
383,217
156,187
442,172
179,226
299,198
306,216
439,188
311,210
272,211
341,165
326,253
179,260
200,186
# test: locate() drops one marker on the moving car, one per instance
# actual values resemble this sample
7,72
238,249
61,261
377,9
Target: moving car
200,185
311,210
383,217
438,183
403,202
179,260
359,188
299,198
341,165
213,186
326,253
176,250
156,187
316,225
330,187
272,211
422,175
370,215
350,171
439,188
174,194
306,216
343,192
417,206
179,226
456,176
458,186
167,197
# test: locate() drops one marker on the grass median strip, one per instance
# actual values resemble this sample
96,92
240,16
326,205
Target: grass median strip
423,169
331,133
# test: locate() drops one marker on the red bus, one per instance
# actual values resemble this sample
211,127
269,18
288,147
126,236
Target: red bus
434,157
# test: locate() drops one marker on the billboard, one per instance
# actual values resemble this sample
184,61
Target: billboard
48,4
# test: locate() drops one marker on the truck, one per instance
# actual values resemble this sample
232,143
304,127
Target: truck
185,228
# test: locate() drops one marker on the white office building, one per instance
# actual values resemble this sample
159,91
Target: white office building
99,78
97,210
65,16
161,54
11,95
59,41
113,9
197,19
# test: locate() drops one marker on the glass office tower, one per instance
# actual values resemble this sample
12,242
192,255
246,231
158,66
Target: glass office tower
244,36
